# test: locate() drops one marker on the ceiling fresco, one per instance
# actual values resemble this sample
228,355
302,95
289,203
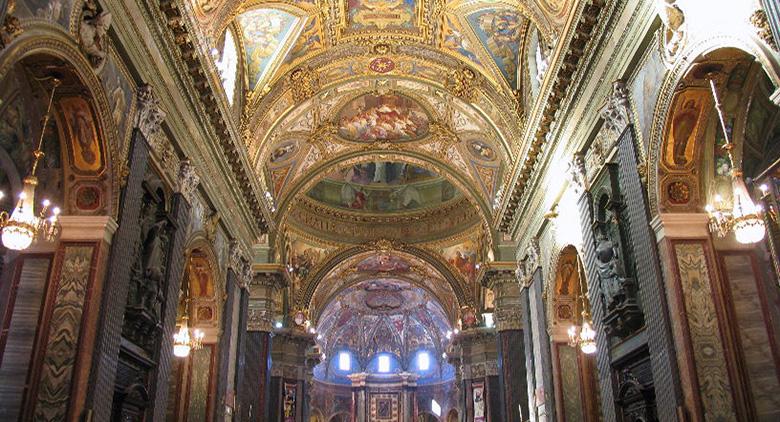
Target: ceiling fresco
265,34
383,315
389,117
398,120
383,187
391,264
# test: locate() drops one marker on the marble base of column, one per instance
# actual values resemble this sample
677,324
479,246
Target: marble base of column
252,394
512,374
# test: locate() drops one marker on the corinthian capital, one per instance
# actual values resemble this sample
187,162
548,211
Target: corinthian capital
150,116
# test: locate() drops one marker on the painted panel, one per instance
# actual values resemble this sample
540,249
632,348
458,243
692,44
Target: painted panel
265,33
309,41
457,41
478,399
384,407
707,346
70,294
463,256
381,14
288,405
759,360
570,383
84,147
200,378
500,31
389,117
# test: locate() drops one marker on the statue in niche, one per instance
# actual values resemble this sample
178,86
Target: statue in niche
609,273
622,315
147,277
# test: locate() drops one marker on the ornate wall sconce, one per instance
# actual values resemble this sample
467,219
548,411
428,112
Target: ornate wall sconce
583,335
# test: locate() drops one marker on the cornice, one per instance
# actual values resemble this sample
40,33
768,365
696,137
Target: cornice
157,67
580,41
178,30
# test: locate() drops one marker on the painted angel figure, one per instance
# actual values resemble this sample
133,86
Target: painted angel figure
93,36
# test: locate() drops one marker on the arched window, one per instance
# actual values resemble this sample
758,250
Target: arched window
227,65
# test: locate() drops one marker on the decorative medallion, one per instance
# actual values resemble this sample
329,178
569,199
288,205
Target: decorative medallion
382,65
679,192
88,198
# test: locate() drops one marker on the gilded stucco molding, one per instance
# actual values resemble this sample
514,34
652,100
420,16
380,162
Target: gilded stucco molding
582,34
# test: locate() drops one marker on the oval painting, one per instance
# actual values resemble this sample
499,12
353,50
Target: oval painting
389,117
283,151
482,151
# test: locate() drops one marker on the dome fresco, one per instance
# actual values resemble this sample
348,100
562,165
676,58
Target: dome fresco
384,315
383,187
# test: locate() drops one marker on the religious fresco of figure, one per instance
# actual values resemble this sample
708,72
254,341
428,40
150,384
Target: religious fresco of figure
309,41
482,150
120,96
303,257
381,14
200,277
283,152
265,33
500,32
389,117
463,257
288,406
84,145
685,127
383,187
456,40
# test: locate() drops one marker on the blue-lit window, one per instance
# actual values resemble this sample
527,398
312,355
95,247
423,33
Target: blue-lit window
345,363
384,363
424,361
435,408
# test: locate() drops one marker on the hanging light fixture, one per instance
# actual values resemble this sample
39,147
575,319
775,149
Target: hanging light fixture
23,226
744,217
183,342
582,336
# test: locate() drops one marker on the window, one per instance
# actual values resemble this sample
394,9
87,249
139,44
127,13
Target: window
227,65
344,362
384,363
424,361
435,408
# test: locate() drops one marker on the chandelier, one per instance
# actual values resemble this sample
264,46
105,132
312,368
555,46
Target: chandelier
23,226
183,342
744,217
582,335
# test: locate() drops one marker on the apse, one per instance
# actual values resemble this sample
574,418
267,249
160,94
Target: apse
384,327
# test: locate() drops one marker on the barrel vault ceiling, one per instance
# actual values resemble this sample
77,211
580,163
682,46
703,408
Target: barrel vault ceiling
381,120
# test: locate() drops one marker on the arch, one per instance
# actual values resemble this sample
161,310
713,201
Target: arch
318,171
687,59
40,38
452,416
340,417
462,293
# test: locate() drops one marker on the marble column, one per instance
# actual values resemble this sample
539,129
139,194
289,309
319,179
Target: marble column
608,390
180,213
359,405
254,362
238,276
475,353
104,362
293,360
513,381
59,384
